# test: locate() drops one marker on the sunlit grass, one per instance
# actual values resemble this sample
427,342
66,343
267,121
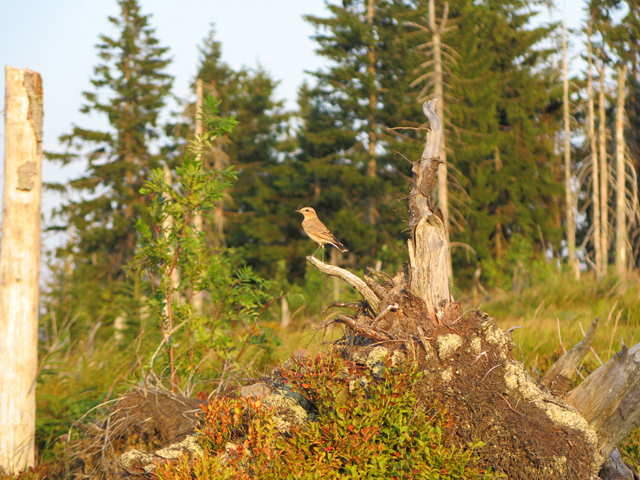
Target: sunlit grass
553,316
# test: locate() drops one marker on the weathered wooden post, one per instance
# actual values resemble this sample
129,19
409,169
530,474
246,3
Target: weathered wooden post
20,267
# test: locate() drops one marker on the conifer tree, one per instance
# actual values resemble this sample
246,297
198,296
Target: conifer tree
131,88
503,113
245,219
354,174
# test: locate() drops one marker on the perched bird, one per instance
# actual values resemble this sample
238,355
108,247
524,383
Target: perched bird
318,232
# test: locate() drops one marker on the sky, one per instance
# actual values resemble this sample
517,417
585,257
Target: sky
58,38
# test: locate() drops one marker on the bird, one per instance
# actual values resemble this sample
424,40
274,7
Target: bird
318,232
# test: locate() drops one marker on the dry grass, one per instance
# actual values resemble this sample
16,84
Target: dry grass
554,315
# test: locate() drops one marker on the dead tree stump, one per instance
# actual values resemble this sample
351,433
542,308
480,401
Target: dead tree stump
531,431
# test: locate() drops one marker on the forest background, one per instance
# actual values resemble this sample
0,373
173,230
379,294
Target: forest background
326,140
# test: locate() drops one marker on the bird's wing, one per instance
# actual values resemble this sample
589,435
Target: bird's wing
319,230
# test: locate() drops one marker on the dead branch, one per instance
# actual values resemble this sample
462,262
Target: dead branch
364,330
350,279
569,362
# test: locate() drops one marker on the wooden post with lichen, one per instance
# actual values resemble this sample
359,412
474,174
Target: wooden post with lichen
20,267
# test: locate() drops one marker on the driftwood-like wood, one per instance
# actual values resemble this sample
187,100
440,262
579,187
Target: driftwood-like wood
609,399
20,267
349,278
615,469
363,330
558,377
594,418
428,246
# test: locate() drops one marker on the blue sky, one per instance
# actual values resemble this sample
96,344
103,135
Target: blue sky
57,39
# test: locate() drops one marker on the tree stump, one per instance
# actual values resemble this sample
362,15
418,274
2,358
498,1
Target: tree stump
531,431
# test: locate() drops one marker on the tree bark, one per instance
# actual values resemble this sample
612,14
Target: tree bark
438,87
609,399
428,245
595,180
571,228
372,166
621,223
20,267
604,173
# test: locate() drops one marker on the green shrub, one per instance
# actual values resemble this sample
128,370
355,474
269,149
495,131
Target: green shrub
367,425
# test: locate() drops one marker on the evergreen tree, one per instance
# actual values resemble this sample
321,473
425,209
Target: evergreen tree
254,148
503,110
131,89
504,118
347,152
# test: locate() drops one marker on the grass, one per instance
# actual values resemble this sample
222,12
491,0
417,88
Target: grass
77,375
553,316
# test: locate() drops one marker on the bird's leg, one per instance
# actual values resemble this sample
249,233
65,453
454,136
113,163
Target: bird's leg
314,253
322,253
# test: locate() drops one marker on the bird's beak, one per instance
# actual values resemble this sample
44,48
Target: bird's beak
299,210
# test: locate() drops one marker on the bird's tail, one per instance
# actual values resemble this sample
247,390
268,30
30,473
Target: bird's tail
340,247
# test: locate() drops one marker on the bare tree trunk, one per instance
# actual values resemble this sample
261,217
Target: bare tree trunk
443,186
571,228
428,246
285,318
604,173
621,223
197,296
595,181
372,167
20,267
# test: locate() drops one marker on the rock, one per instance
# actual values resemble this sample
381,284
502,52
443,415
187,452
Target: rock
135,462
256,390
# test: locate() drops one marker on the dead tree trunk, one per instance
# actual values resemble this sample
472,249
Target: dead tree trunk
531,431
595,181
604,172
372,166
621,223
428,245
438,87
571,227
20,267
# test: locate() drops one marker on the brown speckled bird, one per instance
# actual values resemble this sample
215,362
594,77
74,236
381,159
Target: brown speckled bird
318,232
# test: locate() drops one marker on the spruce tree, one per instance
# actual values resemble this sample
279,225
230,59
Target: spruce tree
131,88
254,148
504,119
356,178
503,112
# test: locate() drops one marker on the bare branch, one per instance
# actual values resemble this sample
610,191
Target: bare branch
349,278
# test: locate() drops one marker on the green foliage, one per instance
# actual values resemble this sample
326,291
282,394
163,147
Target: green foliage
172,242
254,147
522,266
103,202
367,426
630,449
